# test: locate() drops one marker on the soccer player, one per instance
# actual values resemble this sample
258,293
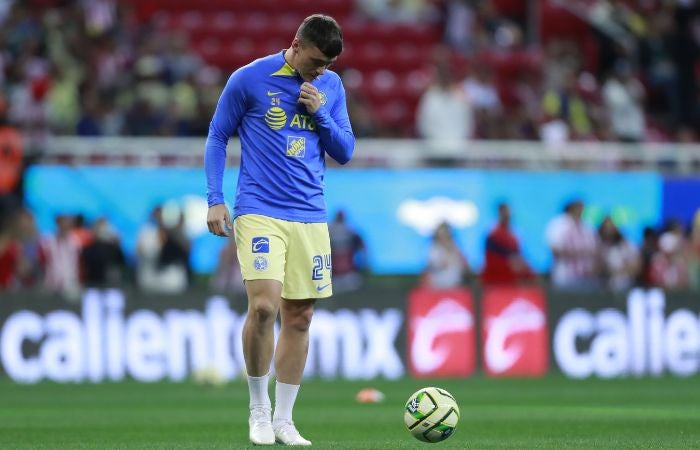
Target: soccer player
289,112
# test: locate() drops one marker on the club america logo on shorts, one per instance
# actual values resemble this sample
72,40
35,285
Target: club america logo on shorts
260,263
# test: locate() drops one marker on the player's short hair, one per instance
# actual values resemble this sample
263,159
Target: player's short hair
323,32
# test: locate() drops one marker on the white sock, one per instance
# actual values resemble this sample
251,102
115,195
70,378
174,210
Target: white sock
285,396
259,395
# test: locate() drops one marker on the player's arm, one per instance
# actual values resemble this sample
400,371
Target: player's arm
333,125
227,117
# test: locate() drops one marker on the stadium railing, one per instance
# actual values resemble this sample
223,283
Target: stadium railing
396,153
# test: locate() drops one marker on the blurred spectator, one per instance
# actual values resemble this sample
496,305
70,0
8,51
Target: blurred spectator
364,124
444,112
694,253
669,267
446,266
574,247
62,250
11,154
554,131
496,31
619,259
504,264
163,253
33,258
561,59
82,232
407,11
482,94
623,95
9,253
103,68
228,277
481,89
656,59
103,262
460,22
348,254
565,103
647,250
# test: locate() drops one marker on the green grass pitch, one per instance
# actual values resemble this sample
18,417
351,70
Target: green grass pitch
552,412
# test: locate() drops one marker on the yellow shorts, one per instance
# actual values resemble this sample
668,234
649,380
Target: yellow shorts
296,254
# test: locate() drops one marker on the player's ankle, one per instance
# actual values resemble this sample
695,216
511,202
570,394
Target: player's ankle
276,423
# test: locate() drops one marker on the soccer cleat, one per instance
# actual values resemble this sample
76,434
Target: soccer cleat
260,425
286,433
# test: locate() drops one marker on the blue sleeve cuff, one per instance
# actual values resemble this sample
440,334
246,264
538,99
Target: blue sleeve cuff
215,199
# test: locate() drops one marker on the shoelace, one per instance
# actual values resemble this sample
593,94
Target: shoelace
260,415
289,428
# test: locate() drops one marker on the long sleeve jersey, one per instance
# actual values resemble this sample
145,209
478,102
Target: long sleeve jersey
283,147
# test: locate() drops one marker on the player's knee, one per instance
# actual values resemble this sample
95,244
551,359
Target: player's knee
301,320
262,312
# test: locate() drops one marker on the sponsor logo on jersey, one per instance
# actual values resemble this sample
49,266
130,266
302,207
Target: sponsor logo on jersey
276,118
296,146
260,263
261,244
272,94
302,121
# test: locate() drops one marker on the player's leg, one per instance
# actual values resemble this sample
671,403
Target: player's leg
258,346
261,252
290,360
293,340
307,277
264,298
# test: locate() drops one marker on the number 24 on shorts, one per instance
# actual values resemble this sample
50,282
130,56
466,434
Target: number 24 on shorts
320,262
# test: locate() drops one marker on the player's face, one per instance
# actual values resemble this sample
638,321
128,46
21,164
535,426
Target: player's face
311,62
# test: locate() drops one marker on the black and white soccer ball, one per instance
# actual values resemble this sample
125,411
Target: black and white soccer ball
431,414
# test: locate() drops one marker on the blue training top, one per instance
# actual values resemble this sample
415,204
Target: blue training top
282,147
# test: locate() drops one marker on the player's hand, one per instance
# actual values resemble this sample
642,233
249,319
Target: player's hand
219,221
310,97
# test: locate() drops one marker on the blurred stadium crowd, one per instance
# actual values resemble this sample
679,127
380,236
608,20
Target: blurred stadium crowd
488,69
82,255
588,70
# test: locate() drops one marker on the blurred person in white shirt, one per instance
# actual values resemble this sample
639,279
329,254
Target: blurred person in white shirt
619,259
447,265
62,250
575,247
444,112
623,96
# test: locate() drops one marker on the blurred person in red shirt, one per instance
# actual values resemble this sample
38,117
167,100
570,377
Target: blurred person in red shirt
504,264
9,253
11,154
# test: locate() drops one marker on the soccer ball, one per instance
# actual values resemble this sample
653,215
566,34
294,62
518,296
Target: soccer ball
431,414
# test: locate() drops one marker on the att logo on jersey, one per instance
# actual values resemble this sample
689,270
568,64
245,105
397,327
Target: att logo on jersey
276,118
296,146
261,245
303,122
